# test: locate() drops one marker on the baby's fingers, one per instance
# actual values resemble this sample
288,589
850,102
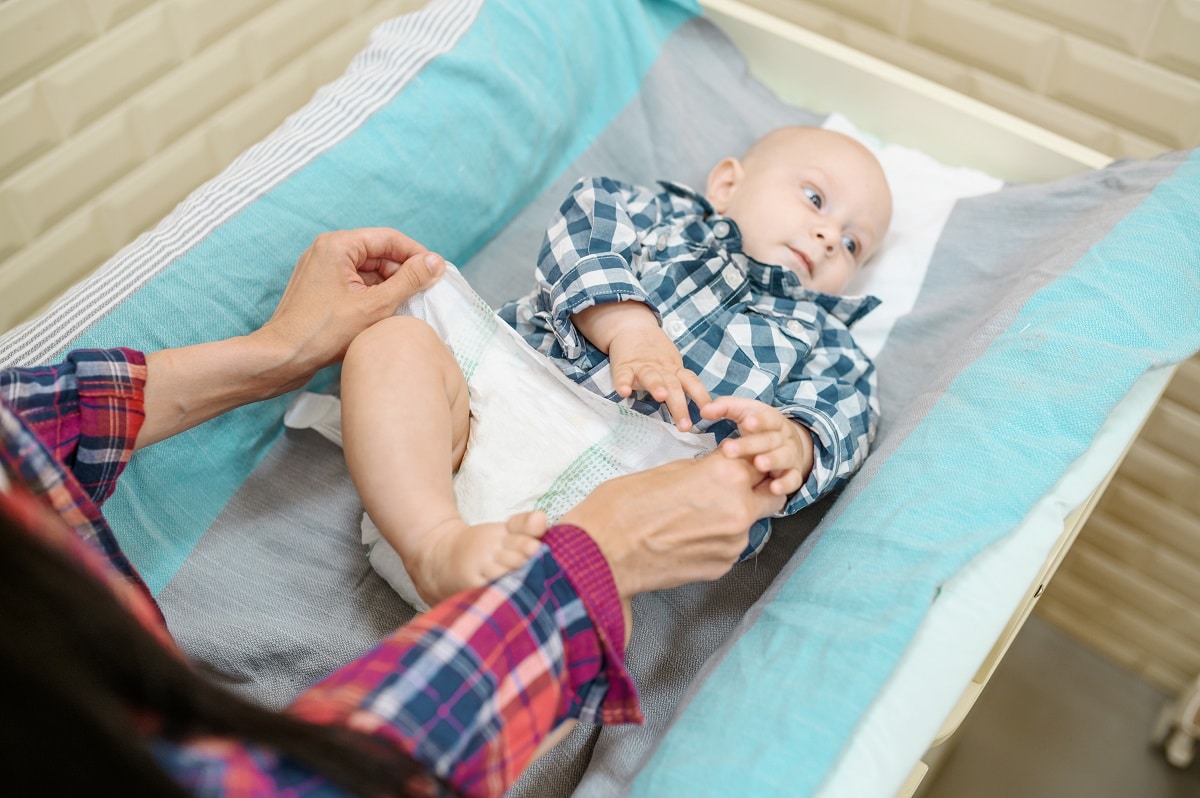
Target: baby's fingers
649,377
755,445
749,444
775,459
646,377
677,406
624,378
787,482
693,387
750,415
729,407
530,524
688,384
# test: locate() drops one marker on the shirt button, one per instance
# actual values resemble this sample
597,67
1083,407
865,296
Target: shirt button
661,244
795,327
676,328
721,229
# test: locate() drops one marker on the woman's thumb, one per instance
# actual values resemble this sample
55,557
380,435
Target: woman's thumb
415,275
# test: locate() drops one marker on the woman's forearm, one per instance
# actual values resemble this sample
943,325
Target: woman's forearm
192,384
342,284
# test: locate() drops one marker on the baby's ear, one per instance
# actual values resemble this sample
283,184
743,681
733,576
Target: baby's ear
722,183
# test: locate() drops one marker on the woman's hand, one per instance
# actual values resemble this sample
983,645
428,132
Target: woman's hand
342,284
682,522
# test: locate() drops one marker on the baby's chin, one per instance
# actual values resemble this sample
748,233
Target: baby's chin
782,257
800,270
821,286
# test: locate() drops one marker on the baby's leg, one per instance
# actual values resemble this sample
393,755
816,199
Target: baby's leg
405,421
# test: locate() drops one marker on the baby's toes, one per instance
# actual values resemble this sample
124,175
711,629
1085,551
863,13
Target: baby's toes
505,561
520,548
531,524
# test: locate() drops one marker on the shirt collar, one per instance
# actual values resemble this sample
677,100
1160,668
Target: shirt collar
772,279
783,282
679,189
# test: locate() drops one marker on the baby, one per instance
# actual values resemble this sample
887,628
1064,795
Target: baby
660,299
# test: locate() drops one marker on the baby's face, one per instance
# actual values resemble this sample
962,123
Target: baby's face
810,200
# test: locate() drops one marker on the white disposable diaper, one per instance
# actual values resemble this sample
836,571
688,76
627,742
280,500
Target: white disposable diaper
537,440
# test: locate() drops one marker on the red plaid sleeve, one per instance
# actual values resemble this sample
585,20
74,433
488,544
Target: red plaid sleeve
472,687
86,411
68,431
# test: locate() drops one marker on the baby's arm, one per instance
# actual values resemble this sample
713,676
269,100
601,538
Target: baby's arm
829,398
589,287
779,448
832,394
588,257
642,356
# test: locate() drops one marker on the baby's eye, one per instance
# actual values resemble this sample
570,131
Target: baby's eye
813,197
850,244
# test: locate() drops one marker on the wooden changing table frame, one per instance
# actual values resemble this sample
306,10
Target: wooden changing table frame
903,108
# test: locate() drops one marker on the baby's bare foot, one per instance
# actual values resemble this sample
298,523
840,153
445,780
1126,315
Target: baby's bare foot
456,556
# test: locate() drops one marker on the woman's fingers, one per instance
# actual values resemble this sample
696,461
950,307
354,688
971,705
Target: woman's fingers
375,247
342,284
413,276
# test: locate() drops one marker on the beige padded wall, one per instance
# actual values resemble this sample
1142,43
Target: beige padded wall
111,111
1119,76
1122,77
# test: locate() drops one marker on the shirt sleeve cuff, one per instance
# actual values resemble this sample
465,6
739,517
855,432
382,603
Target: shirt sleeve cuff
595,280
824,476
86,411
111,387
616,700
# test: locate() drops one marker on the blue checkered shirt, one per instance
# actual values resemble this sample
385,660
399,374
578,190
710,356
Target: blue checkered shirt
746,328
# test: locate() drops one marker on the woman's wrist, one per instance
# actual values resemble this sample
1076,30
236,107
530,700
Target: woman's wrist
588,570
282,362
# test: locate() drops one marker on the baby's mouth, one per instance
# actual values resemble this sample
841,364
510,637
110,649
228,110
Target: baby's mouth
804,261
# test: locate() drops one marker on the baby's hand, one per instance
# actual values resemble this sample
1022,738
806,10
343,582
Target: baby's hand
645,358
778,447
